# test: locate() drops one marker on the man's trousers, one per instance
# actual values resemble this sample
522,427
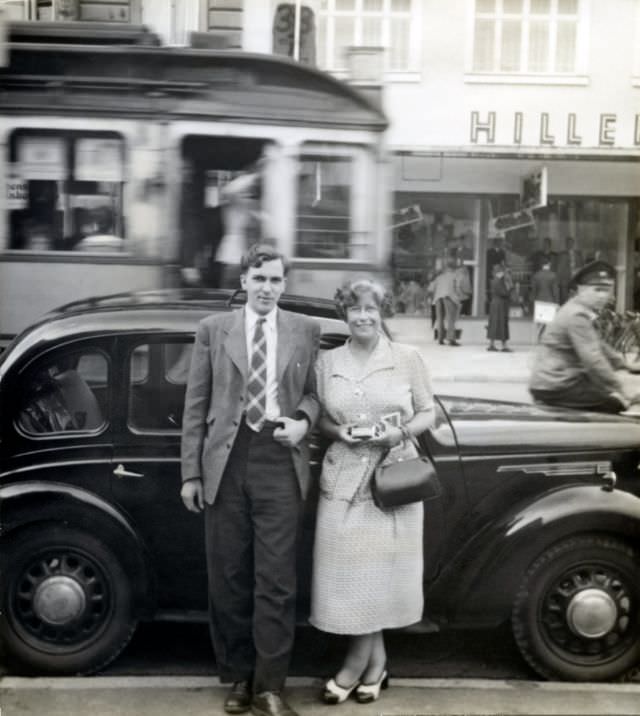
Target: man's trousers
446,310
251,535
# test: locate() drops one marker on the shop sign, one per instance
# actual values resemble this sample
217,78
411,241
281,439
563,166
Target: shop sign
42,158
507,222
98,160
17,193
551,130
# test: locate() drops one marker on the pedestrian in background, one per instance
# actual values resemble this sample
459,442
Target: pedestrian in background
368,562
446,299
544,288
498,329
495,255
249,403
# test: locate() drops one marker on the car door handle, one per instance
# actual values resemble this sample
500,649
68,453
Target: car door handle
121,472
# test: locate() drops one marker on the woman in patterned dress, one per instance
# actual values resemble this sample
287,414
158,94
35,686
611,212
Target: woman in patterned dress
367,572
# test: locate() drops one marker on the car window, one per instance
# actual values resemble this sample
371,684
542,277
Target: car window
66,392
157,383
139,369
177,360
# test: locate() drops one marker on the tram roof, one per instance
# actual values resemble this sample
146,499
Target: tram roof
127,74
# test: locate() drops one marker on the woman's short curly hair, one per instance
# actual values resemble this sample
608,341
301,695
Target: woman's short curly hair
350,294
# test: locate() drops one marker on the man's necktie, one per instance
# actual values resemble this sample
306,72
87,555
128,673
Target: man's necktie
257,385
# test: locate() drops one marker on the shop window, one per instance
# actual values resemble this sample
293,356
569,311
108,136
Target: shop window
390,24
426,229
64,394
157,382
567,233
65,191
324,209
527,36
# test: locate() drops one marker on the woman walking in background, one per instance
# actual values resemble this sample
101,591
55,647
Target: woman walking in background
498,330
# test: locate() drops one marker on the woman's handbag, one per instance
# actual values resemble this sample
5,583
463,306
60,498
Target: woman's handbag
405,481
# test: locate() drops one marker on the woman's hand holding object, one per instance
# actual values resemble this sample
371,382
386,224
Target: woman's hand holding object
389,436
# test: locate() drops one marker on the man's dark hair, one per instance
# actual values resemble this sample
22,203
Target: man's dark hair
259,253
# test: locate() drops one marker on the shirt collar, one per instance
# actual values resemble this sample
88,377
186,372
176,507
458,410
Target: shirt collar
381,358
251,318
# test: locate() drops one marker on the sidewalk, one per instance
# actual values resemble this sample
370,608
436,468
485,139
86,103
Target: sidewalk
197,696
470,362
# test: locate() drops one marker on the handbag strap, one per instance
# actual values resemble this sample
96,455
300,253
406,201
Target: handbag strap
406,435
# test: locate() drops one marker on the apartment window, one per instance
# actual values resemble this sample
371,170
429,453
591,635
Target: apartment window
377,23
527,36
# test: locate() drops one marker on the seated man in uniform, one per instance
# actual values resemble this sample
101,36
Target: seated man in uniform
573,366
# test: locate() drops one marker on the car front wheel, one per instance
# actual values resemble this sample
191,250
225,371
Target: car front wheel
67,604
577,613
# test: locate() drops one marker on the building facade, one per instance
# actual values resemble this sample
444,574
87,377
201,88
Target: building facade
514,124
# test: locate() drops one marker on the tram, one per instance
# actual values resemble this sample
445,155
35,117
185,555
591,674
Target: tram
117,154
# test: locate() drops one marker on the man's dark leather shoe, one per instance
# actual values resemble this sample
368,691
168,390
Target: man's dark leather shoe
239,698
270,703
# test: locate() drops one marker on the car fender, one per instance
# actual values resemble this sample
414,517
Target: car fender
486,574
28,503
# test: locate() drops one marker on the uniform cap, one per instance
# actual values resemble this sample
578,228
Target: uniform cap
595,273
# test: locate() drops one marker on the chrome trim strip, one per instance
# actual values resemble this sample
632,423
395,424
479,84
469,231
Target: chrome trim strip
560,469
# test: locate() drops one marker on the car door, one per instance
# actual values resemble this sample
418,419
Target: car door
443,516
146,478
58,417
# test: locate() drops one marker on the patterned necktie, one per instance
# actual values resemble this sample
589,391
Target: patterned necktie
257,385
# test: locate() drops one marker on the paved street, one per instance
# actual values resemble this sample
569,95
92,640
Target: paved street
202,696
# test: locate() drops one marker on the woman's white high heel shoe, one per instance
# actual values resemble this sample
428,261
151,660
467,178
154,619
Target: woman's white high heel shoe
366,693
335,694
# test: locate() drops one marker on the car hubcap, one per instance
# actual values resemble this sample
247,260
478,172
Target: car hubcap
588,615
59,600
592,613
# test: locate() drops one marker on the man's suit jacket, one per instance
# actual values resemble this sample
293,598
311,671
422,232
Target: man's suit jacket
216,392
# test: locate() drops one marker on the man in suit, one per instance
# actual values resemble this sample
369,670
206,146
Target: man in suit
573,366
249,403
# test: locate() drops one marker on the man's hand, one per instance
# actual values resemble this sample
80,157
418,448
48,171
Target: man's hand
292,432
192,495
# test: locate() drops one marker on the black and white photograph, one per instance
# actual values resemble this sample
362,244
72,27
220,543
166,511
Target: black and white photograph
319,357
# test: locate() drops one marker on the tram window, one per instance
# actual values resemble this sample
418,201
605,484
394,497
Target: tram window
324,227
68,190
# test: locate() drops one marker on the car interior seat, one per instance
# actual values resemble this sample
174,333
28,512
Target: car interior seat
79,400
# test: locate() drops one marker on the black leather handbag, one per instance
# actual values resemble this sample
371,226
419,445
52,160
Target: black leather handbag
405,481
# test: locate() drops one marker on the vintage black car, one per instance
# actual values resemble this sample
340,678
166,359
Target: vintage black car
538,523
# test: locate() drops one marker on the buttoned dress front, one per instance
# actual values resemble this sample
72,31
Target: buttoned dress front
368,563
